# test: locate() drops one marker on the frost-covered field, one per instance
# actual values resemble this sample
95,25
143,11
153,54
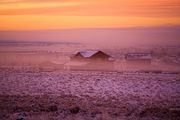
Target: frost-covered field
86,95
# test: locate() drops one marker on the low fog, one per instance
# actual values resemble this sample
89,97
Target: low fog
117,36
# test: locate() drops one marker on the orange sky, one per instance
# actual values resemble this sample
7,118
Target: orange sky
65,14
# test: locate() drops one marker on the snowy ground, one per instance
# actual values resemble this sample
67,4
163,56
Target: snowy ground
108,93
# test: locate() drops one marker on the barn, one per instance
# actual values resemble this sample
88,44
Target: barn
91,55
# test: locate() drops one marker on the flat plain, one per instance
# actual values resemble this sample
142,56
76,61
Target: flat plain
39,86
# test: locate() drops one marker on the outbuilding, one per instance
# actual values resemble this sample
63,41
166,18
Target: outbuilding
141,58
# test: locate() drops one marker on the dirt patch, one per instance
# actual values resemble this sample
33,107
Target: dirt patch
67,107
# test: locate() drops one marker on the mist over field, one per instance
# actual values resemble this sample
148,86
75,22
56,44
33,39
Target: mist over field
164,35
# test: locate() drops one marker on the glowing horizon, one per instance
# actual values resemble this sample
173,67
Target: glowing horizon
65,14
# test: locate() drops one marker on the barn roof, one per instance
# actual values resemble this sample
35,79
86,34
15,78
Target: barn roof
88,53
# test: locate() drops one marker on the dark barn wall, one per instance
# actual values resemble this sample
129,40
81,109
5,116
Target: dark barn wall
95,65
100,56
77,56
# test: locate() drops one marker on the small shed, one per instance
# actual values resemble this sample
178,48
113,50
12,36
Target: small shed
139,58
91,55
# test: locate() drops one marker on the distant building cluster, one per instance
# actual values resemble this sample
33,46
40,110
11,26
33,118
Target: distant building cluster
99,55
96,59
